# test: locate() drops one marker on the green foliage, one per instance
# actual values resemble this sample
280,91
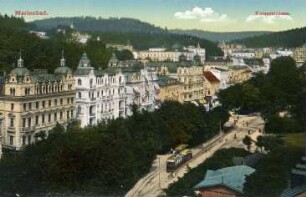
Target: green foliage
260,142
43,53
219,36
276,124
247,140
221,159
126,30
269,143
124,55
97,24
106,159
272,174
143,41
290,38
282,89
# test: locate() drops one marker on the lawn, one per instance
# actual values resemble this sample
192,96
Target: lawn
296,140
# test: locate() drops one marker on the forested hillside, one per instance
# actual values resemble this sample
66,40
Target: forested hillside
219,36
143,41
123,30
98,24
290,38
38,53
46,53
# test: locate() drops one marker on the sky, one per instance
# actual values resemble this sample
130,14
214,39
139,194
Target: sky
208,15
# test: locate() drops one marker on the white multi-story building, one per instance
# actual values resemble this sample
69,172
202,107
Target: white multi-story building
100,95
141,89
243,54
222,75
281,53
161,54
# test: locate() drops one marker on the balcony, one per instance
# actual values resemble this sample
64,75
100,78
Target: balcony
11,129
27,129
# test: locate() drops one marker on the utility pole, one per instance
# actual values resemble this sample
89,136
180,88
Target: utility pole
159,172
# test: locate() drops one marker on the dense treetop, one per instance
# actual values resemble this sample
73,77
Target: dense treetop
106,159
290,38
281,90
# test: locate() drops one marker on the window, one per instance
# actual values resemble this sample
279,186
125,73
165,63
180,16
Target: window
29,122
55,116
68,100
43,104
43,118
24,107
72,99
71,113
24,122
61,101
67,114
79,95
61,115
30,106
11,140
36,120
55,102
12,122
37,105
12,106
49,103
79,82
29,139
49,118
24,139
91,83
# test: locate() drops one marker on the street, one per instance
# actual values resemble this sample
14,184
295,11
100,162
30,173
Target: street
158,179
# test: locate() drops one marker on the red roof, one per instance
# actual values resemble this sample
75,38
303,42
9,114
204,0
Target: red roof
211,77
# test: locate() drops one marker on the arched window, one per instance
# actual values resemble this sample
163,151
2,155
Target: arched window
91,83
79,82
79,95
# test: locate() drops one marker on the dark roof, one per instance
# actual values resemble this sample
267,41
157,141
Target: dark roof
83,70
293,192
62,70
253,159
21,71
211,77
44,77
108,71
167,81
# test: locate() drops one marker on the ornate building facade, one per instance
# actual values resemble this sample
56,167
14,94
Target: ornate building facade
193,80
162,54
100,94
141,88
34,102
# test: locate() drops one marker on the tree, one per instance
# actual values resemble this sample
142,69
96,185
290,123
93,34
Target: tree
247,140
124,55
260,142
